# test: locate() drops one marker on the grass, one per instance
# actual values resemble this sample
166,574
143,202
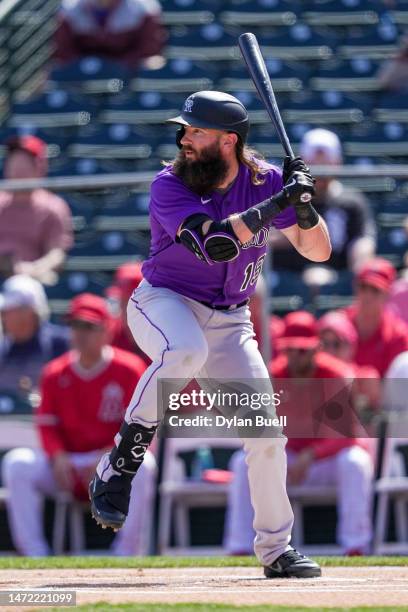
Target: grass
179,562
208,607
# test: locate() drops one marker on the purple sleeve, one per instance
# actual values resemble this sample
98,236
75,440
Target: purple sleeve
171,203
287,218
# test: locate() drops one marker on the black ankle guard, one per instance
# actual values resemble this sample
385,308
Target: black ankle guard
128,456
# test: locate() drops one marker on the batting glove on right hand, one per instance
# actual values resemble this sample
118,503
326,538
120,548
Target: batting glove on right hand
299,189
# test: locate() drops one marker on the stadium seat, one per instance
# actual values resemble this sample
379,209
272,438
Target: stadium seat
342,12
145,107
72,283
91,75
287,292
54,109
179,493
106,252
328,107
354,75
392,484
391,107
189,12
116,141
298,42
387,140
286,76
176,75
377,43
256,12
208,42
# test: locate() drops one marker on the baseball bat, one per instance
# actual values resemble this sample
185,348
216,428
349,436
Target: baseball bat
252,55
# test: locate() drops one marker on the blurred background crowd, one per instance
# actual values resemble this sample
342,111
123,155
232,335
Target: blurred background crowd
85,87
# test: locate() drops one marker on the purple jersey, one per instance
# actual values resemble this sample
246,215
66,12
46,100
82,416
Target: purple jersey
173,266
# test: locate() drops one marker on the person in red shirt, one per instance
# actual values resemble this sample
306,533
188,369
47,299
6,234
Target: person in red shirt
35,225
125,31
127,278
338,337
340,461
84,394
381,334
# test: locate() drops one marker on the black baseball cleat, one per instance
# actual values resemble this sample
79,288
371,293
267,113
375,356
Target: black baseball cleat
292,564
110,501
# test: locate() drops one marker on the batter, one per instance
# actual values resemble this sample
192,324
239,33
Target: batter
210,212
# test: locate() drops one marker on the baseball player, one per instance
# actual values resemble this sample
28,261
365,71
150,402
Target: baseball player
210,213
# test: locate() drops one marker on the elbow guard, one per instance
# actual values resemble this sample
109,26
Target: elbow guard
218,244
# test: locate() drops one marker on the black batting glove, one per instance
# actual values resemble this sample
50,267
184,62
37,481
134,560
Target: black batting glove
293,165
299,189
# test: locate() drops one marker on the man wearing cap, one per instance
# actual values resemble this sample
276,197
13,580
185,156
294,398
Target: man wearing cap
127,278
84,396
381,334
338,337
210,211
29,340
346,211
320,460
35,225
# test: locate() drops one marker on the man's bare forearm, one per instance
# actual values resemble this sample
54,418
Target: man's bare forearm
314,243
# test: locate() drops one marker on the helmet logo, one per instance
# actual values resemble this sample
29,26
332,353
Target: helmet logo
188,105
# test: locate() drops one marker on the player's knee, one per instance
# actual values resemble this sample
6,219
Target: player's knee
191,355
16,464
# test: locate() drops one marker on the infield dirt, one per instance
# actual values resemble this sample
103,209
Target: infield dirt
339,586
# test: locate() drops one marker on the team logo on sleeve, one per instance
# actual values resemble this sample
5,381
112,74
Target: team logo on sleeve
188,105
259,240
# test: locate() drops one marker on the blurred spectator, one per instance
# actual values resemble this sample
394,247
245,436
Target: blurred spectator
311,461
36,225
29,340
84,397
381,334
393,74
346,211
258,305
338,337
398,296
396,389
276,331
127,278
126,31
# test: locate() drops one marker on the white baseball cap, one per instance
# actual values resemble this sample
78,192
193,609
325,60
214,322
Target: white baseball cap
21,290
321,141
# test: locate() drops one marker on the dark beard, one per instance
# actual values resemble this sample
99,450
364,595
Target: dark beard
204,174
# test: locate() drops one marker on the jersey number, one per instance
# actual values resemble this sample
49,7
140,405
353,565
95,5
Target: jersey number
252,272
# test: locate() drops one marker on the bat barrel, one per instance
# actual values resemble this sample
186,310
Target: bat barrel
252,55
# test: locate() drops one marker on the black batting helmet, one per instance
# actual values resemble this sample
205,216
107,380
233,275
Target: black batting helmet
213,109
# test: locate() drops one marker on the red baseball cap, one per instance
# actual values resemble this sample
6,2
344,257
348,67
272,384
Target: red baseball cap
127,278
90,308
339,324
300,331
377,272
29,143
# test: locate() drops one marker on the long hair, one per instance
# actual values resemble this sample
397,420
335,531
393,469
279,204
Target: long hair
250,158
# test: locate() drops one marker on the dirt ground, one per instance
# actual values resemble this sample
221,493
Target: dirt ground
341,586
